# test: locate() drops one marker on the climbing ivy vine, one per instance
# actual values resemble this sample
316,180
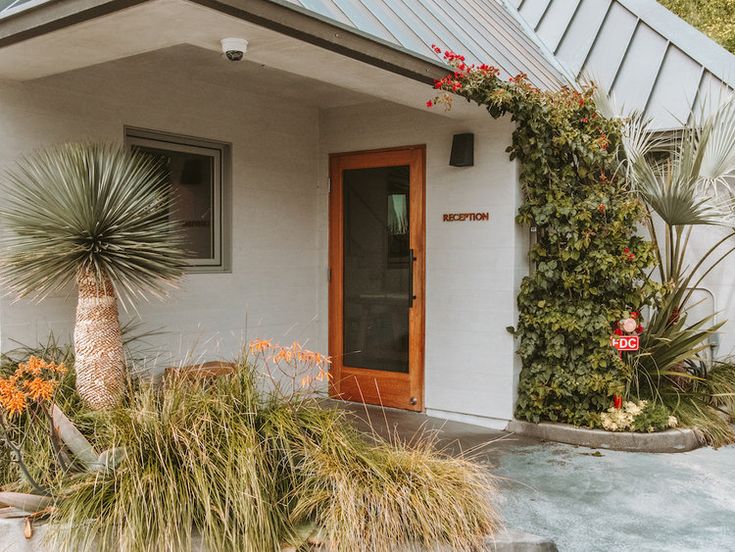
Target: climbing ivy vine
590,266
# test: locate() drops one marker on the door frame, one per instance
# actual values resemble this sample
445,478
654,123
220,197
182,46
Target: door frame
358,384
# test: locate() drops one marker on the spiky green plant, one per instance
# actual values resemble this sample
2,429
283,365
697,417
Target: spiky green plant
686,185
685,180
97,215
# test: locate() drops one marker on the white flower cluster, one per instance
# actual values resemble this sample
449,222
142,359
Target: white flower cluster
617,420
622,419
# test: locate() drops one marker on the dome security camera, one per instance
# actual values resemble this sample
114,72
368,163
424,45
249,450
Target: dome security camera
234,48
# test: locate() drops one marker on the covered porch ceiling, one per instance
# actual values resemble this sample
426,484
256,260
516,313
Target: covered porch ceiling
183,32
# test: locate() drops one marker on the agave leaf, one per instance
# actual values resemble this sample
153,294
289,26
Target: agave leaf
110,459
73,439
10,512
24,501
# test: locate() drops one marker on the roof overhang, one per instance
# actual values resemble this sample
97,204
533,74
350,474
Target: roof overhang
38,19
65,35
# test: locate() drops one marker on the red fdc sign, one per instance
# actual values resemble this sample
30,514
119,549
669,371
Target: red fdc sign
625,342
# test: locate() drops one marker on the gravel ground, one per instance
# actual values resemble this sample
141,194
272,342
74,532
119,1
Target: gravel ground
605,500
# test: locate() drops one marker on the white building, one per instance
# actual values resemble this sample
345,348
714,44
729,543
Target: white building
298,237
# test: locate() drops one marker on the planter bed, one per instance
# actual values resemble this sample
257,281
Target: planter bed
12,538
672,440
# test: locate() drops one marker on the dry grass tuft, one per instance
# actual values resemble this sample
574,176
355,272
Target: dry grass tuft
248,473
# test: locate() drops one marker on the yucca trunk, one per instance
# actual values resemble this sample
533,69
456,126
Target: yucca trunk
98,346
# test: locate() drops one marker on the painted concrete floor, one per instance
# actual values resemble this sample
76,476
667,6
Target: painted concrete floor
588,500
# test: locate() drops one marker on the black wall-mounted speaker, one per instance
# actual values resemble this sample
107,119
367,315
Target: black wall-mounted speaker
463,150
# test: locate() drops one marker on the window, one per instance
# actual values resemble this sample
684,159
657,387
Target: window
198,172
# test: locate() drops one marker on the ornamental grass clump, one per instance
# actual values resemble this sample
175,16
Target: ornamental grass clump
243,469
378,496
194,464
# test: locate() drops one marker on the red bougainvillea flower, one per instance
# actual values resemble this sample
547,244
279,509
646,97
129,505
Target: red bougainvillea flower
639,329
601,208
634,315
618,331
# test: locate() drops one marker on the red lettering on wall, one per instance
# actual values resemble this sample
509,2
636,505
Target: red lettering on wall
469,217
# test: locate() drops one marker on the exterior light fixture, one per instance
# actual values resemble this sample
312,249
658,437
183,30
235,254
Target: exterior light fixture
463,150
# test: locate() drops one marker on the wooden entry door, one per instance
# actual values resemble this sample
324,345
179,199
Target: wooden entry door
376,285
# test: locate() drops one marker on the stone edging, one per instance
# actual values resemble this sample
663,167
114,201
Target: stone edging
12,538
672,440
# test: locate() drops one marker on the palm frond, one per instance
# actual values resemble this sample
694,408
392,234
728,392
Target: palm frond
718,161
694,184
675,197
95,207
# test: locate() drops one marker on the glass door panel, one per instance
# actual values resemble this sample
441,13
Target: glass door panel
376,269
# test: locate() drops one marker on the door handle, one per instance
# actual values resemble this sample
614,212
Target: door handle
411,261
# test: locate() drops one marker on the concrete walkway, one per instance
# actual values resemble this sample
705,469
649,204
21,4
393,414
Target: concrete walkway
588,500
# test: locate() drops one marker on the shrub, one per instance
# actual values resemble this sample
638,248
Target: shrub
685,182
712,17
707,403
590,264
30,426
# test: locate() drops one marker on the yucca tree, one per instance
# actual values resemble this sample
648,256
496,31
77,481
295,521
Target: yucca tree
97,215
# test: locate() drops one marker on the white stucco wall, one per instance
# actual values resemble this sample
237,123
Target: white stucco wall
272,290
278,285
716,293
472,268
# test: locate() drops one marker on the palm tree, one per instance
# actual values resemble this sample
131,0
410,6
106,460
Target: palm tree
685,180
97,215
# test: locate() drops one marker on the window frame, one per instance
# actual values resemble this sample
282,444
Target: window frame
220,152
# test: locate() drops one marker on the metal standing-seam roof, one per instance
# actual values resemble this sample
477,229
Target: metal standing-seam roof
485,31
637,49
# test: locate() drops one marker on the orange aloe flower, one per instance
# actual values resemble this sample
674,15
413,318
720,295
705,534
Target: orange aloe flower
36,365
285,354
40,389
260,345
59,368
14,401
